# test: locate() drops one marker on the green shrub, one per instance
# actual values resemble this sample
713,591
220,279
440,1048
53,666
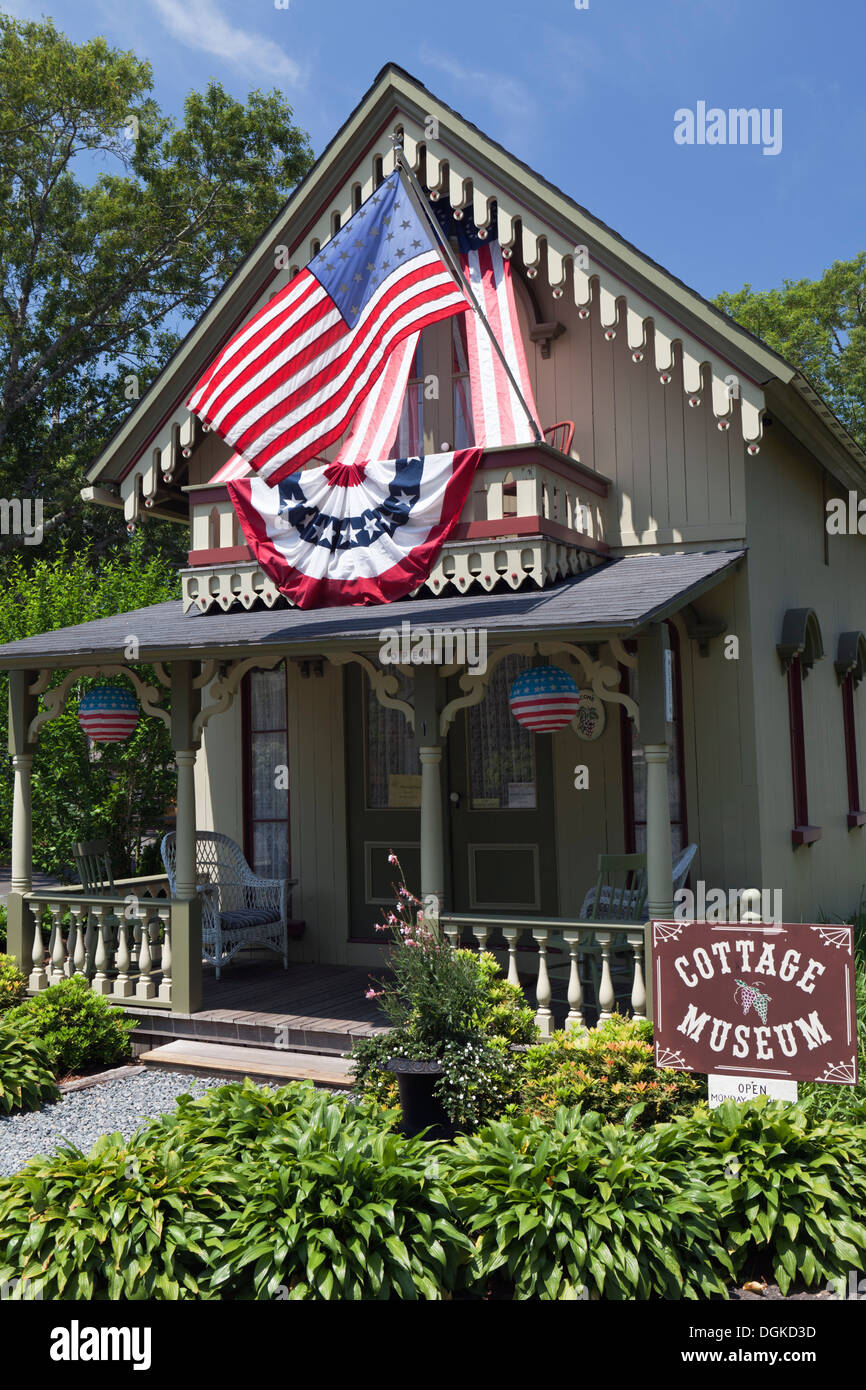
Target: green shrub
610,1069
129,1220
80,1028
789,1189
556,1210
13,984
847,1103
3,925
26,1075
337,1207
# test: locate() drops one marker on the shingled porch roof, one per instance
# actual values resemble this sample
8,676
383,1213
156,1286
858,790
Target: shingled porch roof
613,600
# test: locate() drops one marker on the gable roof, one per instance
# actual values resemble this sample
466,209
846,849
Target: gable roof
540,222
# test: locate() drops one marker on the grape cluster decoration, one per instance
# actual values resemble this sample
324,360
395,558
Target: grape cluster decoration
751,997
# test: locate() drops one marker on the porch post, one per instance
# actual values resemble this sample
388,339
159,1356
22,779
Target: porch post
652,646
186,910
430,746
22,708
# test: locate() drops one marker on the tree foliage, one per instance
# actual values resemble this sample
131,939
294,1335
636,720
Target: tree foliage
119,226
820,327
116,791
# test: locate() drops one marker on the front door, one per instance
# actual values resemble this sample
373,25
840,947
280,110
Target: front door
500,807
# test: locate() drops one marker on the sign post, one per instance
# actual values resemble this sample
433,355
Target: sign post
755,1005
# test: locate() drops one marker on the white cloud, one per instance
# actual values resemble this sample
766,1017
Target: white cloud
198,24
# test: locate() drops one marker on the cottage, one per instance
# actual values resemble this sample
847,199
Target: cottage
664,543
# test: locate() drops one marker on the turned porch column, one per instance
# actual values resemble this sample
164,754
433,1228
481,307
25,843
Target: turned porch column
430,749
22,708
652,646
186,910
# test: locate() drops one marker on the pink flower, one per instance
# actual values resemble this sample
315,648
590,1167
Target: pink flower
392,858
392,920
374,994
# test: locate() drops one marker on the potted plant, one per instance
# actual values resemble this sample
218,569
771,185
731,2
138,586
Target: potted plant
451,1073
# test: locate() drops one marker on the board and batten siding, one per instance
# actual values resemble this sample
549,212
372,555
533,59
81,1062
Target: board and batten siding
676,476
317,803
786,569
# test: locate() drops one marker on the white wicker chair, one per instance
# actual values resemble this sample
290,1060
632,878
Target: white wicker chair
237,907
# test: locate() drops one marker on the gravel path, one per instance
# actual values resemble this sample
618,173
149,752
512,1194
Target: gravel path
82,1116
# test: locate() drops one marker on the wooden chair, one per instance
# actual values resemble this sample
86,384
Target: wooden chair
620,890
560,435
238,908
93,863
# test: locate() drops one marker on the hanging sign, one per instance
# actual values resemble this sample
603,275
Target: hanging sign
755,1000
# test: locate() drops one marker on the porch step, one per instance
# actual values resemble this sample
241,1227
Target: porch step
260,1063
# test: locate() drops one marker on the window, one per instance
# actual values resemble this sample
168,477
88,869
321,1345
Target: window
266,793
801,646
634,762
393,768
850,668
501,753
410,431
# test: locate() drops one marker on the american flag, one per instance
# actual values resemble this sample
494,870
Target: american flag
288,383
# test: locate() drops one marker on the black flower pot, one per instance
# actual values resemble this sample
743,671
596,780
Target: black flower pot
422,1110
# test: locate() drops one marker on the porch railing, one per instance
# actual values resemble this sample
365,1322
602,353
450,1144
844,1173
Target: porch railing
615,951
135,948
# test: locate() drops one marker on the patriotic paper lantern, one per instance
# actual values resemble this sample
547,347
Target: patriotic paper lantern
544,699
109,713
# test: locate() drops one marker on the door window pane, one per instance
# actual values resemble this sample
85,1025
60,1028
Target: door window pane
393,768
267,769
501,755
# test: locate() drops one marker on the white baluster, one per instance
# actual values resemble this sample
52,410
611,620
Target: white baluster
100,984
606,996
638,988
511,935
38,978
57,951
481,934
453,935
543,1014
575,989
165,983
145,989
79,959
123,985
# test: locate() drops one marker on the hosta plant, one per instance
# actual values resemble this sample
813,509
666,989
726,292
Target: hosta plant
26,1072
790,1190
339,1207
577,1208
129,1220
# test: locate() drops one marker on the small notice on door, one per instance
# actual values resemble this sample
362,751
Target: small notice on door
720,1088
521,794
404,790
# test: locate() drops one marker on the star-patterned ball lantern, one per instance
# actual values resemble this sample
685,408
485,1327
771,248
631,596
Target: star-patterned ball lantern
544,699
108,713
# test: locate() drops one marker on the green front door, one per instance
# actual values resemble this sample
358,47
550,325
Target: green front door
500,826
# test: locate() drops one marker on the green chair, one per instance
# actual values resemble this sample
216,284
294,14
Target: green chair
93,862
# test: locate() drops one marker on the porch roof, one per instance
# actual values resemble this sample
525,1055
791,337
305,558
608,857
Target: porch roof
612,600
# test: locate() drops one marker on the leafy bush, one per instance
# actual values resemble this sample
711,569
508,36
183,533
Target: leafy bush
80,1028
847,1103
26,1075
13,985
557,1210
339,1208
610,1070
788,1189
129,1220
3,923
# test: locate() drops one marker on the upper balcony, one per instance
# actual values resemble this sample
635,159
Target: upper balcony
534,516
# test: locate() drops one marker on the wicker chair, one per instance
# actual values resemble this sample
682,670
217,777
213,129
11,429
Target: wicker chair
238,908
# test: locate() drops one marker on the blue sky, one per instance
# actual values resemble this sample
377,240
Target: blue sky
587,97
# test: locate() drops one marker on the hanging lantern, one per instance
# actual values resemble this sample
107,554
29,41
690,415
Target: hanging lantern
544,699
108,714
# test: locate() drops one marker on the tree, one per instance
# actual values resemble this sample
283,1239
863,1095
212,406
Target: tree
819,326
113,791
119,226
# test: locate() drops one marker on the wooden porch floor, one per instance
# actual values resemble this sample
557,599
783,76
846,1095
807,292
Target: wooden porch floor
320,1008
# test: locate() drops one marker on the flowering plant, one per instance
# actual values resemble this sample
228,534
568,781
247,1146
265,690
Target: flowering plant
445,1005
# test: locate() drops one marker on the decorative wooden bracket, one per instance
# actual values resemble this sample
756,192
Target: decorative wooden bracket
54,700
475,683
385,684
225,687
702,630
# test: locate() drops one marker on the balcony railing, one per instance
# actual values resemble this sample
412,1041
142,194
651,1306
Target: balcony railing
534,516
